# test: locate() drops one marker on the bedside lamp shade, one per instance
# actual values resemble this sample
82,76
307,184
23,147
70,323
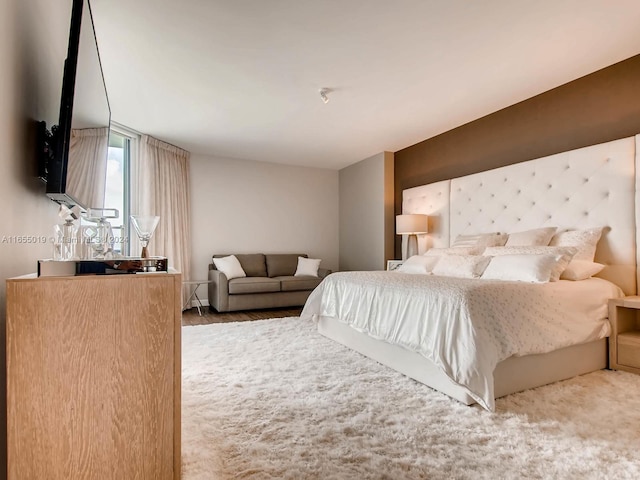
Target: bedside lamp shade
412,225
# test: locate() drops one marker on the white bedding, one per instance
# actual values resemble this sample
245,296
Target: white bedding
466,326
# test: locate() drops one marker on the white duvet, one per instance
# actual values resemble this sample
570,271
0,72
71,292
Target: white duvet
466,327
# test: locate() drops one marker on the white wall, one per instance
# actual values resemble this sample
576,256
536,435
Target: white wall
33,40
366,213
241,206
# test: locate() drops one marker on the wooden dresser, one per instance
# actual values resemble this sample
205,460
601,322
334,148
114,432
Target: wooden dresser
93,377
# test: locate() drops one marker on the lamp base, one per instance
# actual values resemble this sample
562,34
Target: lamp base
412,245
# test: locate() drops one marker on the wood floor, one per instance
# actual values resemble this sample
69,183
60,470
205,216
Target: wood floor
191,317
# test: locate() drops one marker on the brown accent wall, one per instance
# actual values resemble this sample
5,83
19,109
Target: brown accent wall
599,107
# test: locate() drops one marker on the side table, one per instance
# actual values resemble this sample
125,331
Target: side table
194,284
624,342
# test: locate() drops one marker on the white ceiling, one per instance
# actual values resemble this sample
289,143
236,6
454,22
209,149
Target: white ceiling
240,79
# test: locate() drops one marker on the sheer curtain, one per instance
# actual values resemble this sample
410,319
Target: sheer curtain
85,147
160,186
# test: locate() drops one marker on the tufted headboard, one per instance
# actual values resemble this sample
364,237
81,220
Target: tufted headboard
589,187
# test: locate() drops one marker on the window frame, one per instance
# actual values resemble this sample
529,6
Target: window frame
132,139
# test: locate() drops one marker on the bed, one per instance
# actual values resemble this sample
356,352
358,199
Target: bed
586,188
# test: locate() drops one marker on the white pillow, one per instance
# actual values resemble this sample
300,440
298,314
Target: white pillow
481,240
584,240
522,268
230,266
566,252
529,250
538,236
433,252
307,266
418,264
462,266
581,270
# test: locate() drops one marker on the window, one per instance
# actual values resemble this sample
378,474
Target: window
117,193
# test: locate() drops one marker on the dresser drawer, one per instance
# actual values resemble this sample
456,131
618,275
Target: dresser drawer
629,349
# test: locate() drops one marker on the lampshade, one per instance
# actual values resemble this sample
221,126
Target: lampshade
411,224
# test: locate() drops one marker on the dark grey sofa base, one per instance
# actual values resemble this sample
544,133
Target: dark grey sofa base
252,301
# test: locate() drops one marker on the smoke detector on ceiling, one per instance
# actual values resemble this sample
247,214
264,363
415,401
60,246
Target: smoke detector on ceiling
324,94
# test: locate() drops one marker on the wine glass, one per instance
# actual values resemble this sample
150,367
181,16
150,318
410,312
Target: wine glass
145,225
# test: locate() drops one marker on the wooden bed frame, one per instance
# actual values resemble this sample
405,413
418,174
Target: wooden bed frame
589,187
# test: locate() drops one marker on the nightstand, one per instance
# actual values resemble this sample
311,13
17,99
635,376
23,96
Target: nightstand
624,342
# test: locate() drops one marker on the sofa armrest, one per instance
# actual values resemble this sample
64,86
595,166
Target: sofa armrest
218,291
323,272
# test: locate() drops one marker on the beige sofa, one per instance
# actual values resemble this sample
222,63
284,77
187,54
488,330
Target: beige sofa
270,283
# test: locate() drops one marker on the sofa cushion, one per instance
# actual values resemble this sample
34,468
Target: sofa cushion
253,264
282,264
301,282
253,285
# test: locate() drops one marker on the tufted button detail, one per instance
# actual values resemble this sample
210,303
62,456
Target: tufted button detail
493,221
519,192
586,180
505,179
568,167
533,204
548,217
504,207
533,174
567,199
549,186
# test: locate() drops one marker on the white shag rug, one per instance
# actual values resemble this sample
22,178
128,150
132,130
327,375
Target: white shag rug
273,399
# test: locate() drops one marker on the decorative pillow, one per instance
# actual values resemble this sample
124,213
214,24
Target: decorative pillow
522,268
418,264
230,266
566,252
529,250
307,266
462,266
481,240
581,270
538,236
253,264
436,252
584,240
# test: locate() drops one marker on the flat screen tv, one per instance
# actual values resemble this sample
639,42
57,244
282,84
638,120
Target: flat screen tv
75,159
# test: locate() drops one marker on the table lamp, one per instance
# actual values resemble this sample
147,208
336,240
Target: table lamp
412,225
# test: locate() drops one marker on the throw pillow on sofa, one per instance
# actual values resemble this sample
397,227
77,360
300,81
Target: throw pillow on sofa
230,266
307,266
